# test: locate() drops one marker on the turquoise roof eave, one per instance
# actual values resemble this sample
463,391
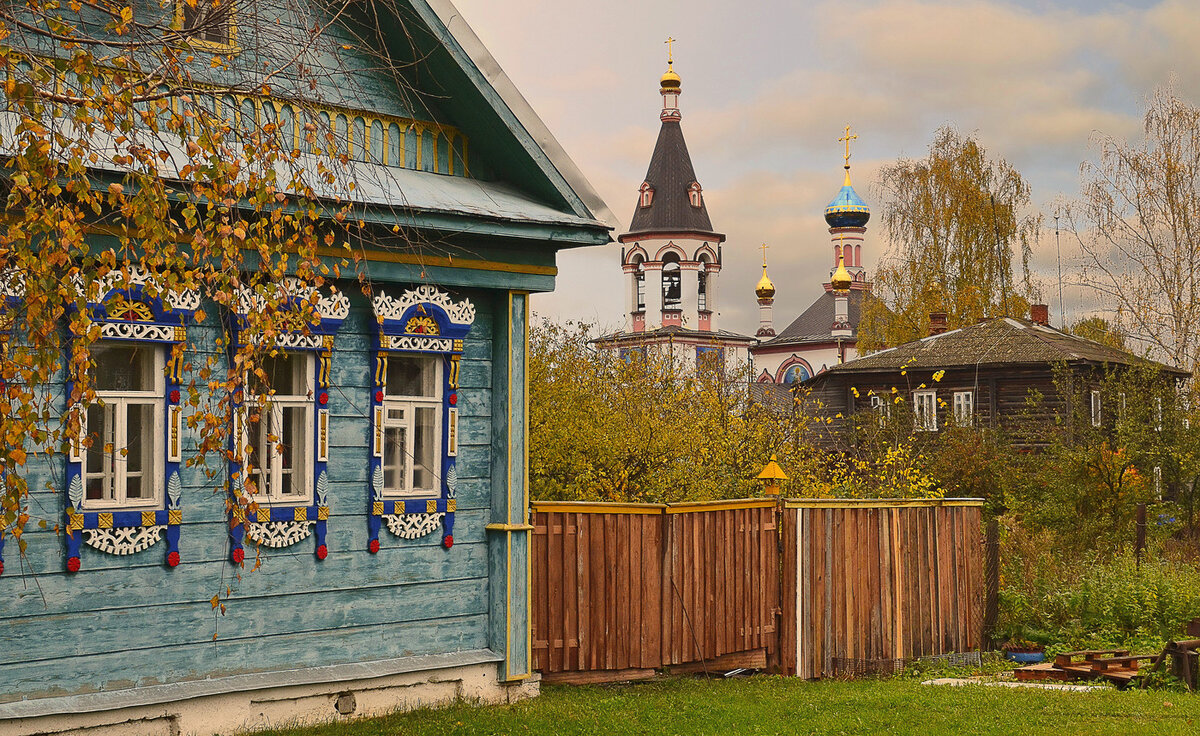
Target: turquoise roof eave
390,196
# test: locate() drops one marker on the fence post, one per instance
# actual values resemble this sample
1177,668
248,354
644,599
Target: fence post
1140,544
991,573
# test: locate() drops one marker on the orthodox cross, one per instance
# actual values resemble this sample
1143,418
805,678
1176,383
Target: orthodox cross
764,247
846,139
670,53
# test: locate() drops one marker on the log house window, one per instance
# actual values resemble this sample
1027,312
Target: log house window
925,411
1095,408
882,407
964,408
210,21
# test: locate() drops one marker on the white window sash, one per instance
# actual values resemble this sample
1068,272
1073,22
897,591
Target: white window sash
410,404
268,442
925,411
1096,408
114,473
964,407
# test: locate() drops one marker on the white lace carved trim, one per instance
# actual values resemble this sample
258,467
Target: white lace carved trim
125,540
279,533
413,526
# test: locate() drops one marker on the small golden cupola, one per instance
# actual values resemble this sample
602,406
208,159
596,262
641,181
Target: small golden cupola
670,80
765,288
841,279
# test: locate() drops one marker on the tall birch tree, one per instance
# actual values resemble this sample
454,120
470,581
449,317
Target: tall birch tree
1138,226
961,235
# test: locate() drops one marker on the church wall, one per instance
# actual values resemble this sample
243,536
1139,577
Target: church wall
817,357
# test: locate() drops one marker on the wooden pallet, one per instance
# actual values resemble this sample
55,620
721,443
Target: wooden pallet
1115,665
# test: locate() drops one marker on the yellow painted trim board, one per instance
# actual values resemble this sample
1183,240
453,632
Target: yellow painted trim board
690,507
597,507
879,503
525,498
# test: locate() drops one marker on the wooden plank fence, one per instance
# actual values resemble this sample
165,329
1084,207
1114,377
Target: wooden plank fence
879,583
621,590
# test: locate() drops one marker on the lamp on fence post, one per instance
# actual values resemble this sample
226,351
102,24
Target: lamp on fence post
771,475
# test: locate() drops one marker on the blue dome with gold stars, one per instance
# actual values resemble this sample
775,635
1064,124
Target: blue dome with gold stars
847,209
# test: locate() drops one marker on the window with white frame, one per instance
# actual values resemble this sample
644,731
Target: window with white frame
882,407
123,466
412,425
1158,414
1121,406
925,411
1158,482
964,408
1095,408
278,431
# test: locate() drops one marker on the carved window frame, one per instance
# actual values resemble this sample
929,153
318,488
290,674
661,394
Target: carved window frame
127,312
423,321
12,292
279,524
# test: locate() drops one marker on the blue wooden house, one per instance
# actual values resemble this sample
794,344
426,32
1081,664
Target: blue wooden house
395,540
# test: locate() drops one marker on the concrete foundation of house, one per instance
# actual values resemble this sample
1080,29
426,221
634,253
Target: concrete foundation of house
246,703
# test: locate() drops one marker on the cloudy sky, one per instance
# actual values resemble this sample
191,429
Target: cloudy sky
768,86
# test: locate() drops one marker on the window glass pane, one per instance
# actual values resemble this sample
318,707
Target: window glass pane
123,368
256,432
395,459
287,373
139,450
425,440
412,375
293,446
98,484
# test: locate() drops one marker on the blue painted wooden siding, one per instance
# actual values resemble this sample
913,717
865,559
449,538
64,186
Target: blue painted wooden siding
130,620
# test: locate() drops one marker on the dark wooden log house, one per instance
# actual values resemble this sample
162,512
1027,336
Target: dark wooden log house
1019,375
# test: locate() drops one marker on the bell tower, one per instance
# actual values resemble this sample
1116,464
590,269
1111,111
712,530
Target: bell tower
671,256
847,217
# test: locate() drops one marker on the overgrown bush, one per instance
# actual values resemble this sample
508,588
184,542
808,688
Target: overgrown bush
1096,601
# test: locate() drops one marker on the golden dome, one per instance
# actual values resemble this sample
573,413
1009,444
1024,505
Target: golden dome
764,289
841,278
669,80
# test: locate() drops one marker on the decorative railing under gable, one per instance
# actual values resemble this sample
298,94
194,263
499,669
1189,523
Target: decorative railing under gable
361,135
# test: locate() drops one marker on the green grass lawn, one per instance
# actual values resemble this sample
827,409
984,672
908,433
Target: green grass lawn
775,705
